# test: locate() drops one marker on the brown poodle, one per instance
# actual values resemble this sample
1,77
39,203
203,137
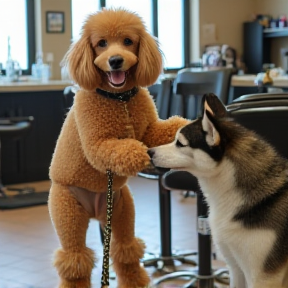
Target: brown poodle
110,125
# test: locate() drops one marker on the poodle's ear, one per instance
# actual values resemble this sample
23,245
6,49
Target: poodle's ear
150,61
79,61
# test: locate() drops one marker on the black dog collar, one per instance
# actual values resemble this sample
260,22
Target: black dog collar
123,96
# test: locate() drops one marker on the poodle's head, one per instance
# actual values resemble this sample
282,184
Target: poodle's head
115,53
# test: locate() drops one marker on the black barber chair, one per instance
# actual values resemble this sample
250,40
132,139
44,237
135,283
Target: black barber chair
191,84
266,114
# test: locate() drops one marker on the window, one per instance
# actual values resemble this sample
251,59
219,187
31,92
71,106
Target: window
166,19
170,32
17,23
80,10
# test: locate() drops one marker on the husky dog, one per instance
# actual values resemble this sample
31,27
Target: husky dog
245,182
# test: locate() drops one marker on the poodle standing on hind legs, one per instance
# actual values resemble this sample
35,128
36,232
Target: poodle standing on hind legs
109,127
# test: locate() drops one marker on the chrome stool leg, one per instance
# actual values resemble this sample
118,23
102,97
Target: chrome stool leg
165,260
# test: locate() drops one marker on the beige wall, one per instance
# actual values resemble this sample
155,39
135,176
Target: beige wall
56,43
228,17
274,8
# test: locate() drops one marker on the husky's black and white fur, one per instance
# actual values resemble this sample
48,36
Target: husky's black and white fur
245,183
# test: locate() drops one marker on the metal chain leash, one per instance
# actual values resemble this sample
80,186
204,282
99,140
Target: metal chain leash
107,232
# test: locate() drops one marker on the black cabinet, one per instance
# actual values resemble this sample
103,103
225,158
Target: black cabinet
257,45
28,159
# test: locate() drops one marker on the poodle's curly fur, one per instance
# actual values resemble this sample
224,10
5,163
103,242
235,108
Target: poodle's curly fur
115,53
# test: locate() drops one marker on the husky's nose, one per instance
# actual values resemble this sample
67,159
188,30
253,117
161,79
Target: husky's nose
116,62
151,152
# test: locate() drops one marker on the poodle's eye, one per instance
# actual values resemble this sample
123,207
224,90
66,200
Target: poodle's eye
128,42
102,43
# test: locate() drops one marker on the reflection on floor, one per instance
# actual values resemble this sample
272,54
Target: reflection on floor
27,238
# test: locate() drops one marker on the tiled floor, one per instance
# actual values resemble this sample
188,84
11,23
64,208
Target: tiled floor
27,238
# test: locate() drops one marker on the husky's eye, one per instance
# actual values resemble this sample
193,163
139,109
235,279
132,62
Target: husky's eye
102,43
179,144
128,42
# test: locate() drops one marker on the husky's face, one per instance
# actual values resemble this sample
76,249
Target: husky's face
197,147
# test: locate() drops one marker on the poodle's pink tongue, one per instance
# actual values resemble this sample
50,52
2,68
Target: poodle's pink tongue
116,77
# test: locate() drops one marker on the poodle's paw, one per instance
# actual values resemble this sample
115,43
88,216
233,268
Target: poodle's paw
74,268
134,160
80,283
147,286
131,275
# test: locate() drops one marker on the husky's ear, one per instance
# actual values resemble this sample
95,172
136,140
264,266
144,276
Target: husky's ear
212,136
215,104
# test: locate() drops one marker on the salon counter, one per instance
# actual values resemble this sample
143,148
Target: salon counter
21,86
248,81
245,84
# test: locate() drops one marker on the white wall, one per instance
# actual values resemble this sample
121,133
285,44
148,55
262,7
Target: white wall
228,17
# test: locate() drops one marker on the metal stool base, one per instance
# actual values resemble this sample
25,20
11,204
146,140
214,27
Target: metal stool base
220,275
168,264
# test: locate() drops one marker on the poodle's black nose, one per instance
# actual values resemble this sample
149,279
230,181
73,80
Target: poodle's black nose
116,62
151,152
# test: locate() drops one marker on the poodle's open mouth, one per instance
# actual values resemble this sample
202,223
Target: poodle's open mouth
117,78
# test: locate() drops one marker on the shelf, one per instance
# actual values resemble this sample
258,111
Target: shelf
257,44
275,32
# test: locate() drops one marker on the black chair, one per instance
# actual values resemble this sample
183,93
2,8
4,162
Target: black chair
191,84
13,128
164,96
266,114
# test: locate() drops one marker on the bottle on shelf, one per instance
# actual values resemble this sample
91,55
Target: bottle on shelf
40,70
